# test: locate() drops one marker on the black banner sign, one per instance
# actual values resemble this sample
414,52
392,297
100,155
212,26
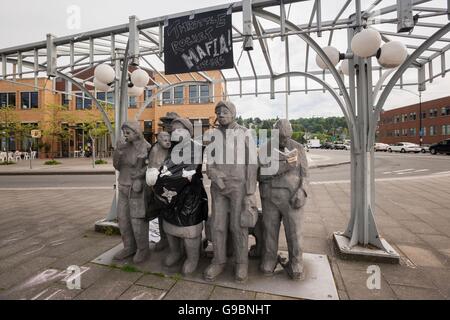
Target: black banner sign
201,43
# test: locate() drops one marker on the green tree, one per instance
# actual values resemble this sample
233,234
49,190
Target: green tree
53,125
9,124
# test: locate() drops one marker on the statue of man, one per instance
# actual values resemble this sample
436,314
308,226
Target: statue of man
283,196
129,159
230,184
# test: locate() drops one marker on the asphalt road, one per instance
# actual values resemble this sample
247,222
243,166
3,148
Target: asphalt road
387,166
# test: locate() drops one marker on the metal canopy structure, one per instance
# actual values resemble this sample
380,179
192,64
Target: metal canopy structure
273,40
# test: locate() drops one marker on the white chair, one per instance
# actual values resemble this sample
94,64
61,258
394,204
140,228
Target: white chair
17,156
3,156
33,154
10,156
26,156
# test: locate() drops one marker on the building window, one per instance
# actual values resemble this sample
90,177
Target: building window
404,132
433,113
424,131
412,132
148,95
178,95
446,129
65,100
204,93
167,97
445,111
132,102
106,97
29,99
433,131
397,133
148,130
404,117
7,99
424,115
199,93
412,116
82,101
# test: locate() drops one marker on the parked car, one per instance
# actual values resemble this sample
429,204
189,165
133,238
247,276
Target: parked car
327,145
441,147
338,145
381,147
404,147
425,148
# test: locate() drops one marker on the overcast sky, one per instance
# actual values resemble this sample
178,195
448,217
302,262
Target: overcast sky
24,21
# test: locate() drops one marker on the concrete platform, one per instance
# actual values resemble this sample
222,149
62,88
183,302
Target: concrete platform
366,254
318,285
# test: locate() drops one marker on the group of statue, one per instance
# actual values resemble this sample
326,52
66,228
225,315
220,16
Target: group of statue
151,185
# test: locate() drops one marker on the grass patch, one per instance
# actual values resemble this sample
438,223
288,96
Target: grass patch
110,231
128,268
52,162
5,163
100,161
177,277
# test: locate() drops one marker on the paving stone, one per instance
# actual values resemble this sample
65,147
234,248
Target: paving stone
142,293
188,290
104,290
421,256
413,293
221,293
356,285
156,281
21,272
437,241
440,278
406,276
419,227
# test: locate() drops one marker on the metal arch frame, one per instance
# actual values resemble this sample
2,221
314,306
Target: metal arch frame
154,97
83,90
387,90
351,118
324,84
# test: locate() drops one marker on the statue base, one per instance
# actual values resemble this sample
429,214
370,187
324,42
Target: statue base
318,283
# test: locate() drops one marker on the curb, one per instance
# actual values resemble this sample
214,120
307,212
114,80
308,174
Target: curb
112,172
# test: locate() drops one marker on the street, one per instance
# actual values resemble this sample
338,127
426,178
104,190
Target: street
387,166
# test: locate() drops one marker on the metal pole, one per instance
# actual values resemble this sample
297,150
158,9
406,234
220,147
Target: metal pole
420,118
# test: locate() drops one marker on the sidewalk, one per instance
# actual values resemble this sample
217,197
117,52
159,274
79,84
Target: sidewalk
43,232
316,159
67,166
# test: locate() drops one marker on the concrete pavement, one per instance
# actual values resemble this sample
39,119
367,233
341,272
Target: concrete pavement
42,232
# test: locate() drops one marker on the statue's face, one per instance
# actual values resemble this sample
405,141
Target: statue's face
224,116
130,135
164,140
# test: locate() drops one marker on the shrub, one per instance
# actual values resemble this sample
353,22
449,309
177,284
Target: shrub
51,162
100,161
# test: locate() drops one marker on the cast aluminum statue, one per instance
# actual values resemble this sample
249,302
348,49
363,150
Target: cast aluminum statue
129,159
231,184
283,197
180,194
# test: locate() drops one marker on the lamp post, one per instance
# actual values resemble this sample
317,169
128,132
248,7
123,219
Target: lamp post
364,45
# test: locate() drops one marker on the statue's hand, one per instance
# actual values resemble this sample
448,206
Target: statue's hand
298,200
219,182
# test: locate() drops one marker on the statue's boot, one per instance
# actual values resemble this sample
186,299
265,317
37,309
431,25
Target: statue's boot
267,267
192,247
295,270
213,271
140,228
241,272
162,243
129,243
176,252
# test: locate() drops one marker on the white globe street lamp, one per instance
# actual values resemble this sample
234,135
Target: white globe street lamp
139,78
333,55
135,91
392,54
100,86
366,43
104,73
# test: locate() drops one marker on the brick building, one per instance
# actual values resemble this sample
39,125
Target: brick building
403,124
31,105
